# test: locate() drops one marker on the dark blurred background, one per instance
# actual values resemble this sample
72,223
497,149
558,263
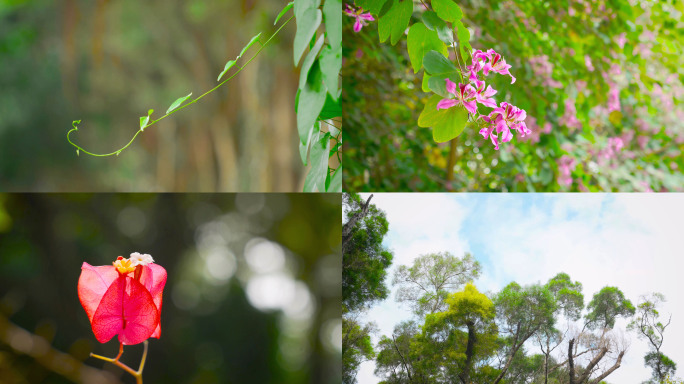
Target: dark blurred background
106,62
253,293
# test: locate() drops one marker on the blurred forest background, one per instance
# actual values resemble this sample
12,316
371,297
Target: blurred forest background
601,82
107,62
253,294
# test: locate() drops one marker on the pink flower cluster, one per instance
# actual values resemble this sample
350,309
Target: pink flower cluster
566,165
362,19
504,117
543,69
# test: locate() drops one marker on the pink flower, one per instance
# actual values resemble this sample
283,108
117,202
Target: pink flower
613,98
569,118
621,39
503,119
362,19
566,165
482,96
497,64
465,96
587,62
123,299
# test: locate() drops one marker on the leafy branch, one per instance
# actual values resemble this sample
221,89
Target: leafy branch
178,104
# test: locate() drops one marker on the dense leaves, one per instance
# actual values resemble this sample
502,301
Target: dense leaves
317,97
365,259
599,80
538,333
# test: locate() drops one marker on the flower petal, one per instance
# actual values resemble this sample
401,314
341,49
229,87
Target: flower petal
153,278
450,86
471,106
127,310
92,285
446,103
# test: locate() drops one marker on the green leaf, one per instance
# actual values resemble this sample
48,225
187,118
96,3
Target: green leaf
309,60
437,84
436,64
394,22
421,40
332,14
177,103
150,111
331,108
251,42
310,102
287,8
228,66
312,136
372,6
333,131
335,181
315,180
424,85
331,64
143,121
463,38
446,123
434,23
307,24
447,10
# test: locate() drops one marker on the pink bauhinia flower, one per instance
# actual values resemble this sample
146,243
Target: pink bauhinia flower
362,19
465,96
497,64
123,299
482,95
503,119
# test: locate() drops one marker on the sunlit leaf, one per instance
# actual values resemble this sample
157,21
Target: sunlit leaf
421,40
287,8
178,103
251,42
228,66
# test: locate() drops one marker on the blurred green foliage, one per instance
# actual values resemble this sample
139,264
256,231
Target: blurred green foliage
589,74
221,320
108,62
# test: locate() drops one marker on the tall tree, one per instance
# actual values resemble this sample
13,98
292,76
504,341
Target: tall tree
521,312
462,336
569,304
648,325
365,260
426,284
356,346
396,357
600,345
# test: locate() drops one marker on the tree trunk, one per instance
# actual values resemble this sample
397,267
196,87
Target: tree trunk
470,351
571,363
349,225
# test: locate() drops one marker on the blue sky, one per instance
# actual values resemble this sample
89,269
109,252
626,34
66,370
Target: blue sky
632,241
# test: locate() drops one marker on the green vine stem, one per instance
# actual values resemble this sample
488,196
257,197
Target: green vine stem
240,67
137,374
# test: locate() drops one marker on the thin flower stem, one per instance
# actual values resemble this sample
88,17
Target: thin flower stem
144,357
240,68
137,374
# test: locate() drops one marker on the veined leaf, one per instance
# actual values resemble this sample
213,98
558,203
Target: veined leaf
419,41
446,123
447,10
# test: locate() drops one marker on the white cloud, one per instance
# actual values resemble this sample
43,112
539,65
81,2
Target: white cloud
629,241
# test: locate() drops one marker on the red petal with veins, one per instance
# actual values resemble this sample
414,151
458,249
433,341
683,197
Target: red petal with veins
127,310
